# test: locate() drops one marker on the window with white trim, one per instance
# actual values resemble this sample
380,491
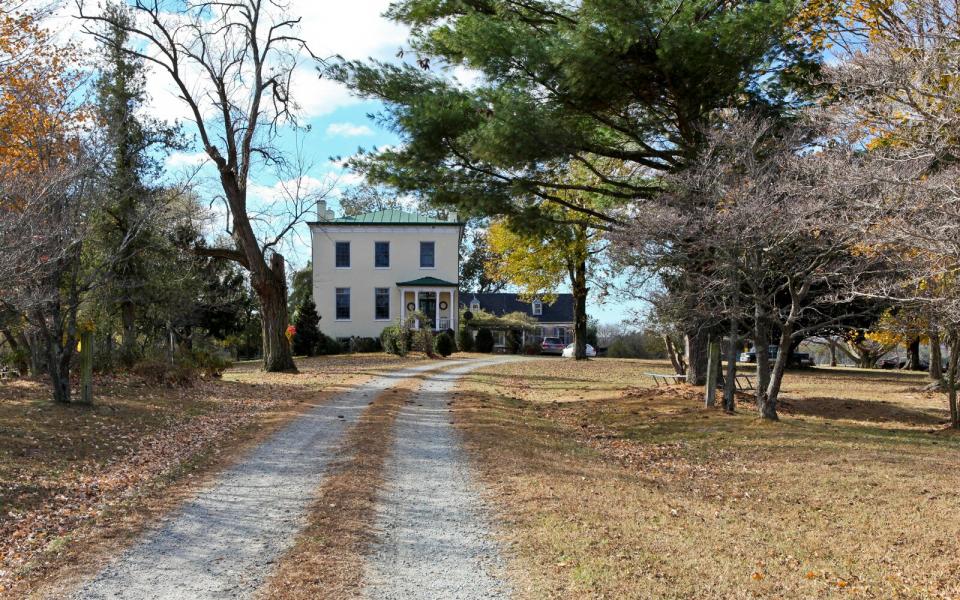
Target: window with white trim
428,258
342,254
475,304
537,308
343,304
381,255
381,302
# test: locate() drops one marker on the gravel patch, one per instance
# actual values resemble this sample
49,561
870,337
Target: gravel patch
434,538
224,542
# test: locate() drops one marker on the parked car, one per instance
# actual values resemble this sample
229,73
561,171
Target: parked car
569,351
552,345
797,359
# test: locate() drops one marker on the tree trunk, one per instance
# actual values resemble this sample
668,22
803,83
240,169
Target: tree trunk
18,344
761,346
913,354
833,351
730,381
952,379
696,356
678,366
128,335
580,291
86,367
271,289
936,357
713,372
38,356
768,410
58,366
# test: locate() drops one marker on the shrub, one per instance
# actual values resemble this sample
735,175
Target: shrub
209,363
365,344
514,340
423,341
157,371
326,345
307,325
484,341
18,359
444,344
465,340
532,349
394,340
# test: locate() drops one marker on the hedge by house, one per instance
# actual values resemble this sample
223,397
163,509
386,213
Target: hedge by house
484,341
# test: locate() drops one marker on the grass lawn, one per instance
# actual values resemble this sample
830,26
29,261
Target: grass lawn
610,488
77,482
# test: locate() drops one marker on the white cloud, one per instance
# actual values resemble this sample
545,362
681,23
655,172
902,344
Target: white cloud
354,29
288,190
466,78
186,159
348,130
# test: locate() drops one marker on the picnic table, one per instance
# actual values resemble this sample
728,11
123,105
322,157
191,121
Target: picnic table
7,373
743,382
666,379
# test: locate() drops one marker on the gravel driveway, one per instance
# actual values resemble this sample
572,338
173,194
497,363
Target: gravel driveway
434,538
223,543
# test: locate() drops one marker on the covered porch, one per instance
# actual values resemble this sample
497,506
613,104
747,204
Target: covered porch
435,298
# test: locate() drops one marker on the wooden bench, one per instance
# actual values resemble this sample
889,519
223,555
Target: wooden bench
665,379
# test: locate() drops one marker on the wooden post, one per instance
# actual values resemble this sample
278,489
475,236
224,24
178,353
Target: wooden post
713,369
86,367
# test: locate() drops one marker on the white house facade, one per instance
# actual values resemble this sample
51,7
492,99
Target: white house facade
374,269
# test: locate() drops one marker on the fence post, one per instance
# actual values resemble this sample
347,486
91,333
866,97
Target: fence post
713,369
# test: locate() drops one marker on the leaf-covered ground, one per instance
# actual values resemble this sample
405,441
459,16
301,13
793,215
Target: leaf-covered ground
609,488
75,480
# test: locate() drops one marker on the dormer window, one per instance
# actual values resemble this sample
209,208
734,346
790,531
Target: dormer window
475,304
537,308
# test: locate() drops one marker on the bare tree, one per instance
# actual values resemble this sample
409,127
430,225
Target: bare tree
44,220
772,242
232,65
899,98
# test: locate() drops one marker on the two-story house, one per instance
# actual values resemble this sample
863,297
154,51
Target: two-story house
554,319
373,269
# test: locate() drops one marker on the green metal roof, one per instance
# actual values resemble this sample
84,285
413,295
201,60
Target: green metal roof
390,216
426,282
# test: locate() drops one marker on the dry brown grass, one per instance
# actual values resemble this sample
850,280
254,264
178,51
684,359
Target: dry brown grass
77,483
327,558
609,488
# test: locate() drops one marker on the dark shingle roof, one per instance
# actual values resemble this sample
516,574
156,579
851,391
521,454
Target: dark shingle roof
561,311
427,281
390,216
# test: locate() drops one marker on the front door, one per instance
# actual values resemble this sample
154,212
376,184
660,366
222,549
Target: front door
428,306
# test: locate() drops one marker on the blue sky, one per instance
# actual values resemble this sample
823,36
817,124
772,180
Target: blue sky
338,123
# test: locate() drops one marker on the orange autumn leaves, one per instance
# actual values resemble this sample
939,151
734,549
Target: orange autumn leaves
39,120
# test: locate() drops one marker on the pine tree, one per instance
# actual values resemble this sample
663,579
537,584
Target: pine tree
307,336
125,230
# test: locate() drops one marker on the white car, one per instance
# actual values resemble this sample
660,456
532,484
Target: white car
571,349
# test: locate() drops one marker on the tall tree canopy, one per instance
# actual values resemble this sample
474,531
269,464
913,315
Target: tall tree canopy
244,54
564,82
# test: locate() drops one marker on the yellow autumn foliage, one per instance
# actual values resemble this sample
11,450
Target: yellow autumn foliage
38,122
